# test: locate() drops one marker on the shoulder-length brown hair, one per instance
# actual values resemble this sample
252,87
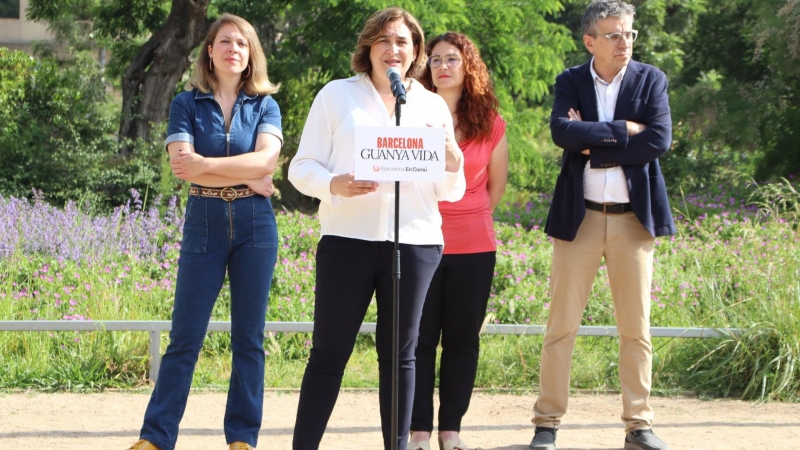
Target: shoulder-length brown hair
256,82
360,62
478,105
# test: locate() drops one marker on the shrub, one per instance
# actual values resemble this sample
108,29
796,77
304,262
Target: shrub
57,134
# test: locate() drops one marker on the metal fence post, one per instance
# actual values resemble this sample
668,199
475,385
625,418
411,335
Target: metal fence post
155,354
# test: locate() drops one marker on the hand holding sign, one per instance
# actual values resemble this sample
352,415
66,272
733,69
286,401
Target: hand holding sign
346,186
452,155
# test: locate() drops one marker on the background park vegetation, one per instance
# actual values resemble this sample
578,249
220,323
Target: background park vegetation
83,129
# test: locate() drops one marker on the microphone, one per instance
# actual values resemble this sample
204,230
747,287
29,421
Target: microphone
398,90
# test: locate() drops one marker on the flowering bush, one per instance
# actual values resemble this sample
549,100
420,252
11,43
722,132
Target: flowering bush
730,265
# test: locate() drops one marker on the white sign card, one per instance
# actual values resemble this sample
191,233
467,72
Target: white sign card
399,153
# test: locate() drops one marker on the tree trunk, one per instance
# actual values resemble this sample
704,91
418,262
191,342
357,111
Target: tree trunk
149,81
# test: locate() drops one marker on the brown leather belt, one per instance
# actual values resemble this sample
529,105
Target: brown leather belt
605,208
228,194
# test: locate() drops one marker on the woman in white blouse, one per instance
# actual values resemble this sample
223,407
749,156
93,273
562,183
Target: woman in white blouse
356,250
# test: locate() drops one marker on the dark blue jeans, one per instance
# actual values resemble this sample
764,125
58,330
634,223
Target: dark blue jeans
349,272
239,237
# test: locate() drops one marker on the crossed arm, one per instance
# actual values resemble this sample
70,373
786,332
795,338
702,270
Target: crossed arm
252,169
633,128
615,143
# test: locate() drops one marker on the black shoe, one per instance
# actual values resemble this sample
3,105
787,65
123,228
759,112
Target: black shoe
544,438
644,440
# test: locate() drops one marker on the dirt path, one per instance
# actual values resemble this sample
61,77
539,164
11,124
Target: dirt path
494,422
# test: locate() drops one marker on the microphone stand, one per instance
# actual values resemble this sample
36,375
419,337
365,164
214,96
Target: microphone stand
396,302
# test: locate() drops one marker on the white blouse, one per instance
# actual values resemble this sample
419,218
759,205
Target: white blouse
327,149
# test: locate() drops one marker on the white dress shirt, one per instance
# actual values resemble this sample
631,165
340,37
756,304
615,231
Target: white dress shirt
327,149
605,185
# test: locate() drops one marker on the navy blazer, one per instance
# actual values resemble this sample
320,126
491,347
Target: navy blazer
642,98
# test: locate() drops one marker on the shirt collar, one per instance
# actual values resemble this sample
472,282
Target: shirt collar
364,76
617,77
205,95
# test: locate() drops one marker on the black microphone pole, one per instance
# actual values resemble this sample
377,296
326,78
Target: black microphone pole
399,92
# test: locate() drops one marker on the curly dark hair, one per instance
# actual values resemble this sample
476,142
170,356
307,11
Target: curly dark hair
478,104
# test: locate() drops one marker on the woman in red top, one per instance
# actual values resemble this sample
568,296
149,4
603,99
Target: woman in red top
455,306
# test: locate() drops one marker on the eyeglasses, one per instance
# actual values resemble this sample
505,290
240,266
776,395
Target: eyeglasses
616,38
436,61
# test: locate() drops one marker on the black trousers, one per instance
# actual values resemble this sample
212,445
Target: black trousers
349,272
454,308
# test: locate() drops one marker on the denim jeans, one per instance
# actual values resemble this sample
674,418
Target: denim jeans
241,237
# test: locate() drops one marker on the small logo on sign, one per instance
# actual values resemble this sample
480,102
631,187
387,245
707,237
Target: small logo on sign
376,168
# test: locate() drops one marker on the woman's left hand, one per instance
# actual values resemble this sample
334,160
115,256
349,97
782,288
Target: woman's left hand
452,152
262,185
188,165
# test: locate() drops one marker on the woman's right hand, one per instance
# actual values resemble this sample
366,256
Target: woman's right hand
347,186
262,185
452,152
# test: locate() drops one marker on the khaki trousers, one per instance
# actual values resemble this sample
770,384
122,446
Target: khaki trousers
628,251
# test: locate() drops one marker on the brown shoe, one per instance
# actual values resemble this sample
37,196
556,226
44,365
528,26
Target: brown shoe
241,446
143,444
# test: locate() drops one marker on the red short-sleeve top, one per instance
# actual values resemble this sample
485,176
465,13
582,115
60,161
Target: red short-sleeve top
467,224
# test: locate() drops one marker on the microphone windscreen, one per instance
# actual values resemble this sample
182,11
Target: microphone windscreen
392,70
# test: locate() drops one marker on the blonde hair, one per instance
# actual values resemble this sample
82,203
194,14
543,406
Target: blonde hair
360,62
256,83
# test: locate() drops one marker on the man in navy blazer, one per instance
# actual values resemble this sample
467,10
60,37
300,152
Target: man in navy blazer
611,116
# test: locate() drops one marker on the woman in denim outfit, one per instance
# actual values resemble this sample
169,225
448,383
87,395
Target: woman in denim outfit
224,136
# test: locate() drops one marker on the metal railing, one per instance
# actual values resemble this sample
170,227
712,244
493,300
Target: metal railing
157,327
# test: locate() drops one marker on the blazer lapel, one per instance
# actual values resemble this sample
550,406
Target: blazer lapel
587,94
630,83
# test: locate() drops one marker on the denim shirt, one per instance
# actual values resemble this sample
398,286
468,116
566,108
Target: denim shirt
196,117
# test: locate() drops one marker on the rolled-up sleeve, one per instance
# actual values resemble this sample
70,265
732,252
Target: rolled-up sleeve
180,128
270,121
308,170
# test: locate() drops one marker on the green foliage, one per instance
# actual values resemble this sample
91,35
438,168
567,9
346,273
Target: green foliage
733,69
759,364
57,133
122,26
708,143
534,161
665,26
737,99
734,263
55,128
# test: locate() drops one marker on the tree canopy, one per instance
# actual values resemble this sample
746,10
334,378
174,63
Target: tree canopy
733,67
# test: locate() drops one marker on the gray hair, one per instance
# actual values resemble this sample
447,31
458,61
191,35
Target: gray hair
600,9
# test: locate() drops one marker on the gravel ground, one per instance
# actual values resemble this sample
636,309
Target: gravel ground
494,422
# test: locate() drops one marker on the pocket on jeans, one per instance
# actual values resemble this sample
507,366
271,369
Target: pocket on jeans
265,230
195,225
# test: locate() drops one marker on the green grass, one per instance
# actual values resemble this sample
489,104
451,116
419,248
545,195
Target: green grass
734,263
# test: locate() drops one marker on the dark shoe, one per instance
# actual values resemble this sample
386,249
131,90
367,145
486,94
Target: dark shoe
644,440
544,439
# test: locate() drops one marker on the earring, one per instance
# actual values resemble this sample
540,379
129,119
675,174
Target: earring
248,72
211,65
